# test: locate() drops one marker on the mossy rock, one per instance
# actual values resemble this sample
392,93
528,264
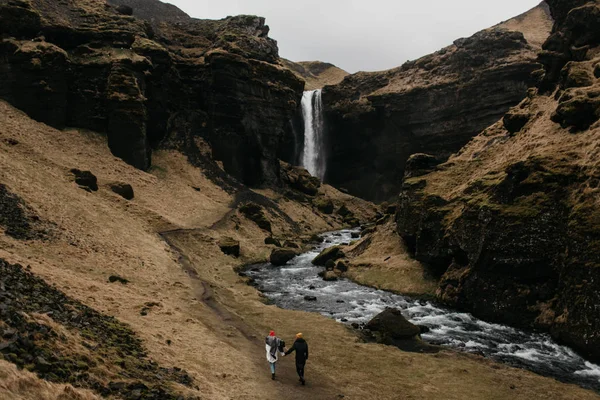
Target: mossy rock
324,205
281,256
331,253
578,113
515,120
229,246
254,212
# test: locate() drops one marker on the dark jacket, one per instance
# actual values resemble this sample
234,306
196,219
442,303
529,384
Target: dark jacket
301,348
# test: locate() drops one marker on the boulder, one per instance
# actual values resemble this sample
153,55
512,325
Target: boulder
122,189
515,120
355,235
316,239
291,245
281,256
124,10
272,240
310,298
86,180
324,205
255,213
328,276
341,266
330,265
229,246
331,253
300,179
392,325
419,164
344,211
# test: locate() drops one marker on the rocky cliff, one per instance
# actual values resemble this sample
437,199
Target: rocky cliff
316,74
511,223
166,80
436,104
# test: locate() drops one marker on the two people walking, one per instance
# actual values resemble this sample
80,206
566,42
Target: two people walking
276,346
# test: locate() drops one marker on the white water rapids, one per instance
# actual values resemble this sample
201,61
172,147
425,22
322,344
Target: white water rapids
349,302
313,158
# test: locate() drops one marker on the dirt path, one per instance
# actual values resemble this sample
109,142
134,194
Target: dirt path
286,383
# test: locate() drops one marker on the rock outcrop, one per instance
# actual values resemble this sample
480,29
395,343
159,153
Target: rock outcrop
316,74
511,222
162,79
432,105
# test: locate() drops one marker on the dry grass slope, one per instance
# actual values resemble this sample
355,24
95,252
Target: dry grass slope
207,320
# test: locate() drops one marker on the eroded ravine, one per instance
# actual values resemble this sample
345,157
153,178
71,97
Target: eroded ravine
351,303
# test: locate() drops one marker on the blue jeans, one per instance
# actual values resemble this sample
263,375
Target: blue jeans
272,367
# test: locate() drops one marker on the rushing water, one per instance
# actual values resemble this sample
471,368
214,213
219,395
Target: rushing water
312,113
349,302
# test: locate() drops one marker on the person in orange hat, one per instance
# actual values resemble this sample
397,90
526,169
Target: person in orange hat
301,348
273,345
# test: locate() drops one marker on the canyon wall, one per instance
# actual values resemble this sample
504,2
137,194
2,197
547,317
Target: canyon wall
511,223
147,76
435,104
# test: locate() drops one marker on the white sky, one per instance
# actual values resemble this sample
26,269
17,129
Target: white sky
365,35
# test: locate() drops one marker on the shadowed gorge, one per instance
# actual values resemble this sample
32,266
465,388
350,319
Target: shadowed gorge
434,105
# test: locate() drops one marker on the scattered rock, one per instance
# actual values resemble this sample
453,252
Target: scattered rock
254,212
86,180
355,235
124,10
341,266
420,164
229,246
310,298
329,265
281,256
324,205
316,239
331,253
311,287
424,329
272,240
391,324
299,179
344,211
515,120
340,301
11,141
124,190
117,278
577,111
330,276
368,230
291,245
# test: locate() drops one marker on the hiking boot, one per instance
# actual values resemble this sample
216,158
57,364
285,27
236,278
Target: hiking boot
303,382
273,376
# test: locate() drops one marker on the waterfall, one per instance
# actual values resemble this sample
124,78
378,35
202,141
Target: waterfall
313,158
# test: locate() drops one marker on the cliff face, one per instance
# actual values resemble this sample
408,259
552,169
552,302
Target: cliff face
512,222
436,104
168,80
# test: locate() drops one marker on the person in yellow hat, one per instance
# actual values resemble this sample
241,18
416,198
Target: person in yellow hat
301,348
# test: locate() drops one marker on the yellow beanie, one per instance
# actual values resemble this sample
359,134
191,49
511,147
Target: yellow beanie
299,335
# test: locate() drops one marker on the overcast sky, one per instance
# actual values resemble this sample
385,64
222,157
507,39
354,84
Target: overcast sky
364,35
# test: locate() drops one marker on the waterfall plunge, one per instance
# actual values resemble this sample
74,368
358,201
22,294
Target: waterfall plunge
312,111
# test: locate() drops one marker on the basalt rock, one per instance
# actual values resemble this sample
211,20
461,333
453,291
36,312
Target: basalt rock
85,179
161,79
229,246
329,254
124,190
432,105
510,232
281,256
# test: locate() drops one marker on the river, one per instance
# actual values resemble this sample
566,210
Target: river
349,302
